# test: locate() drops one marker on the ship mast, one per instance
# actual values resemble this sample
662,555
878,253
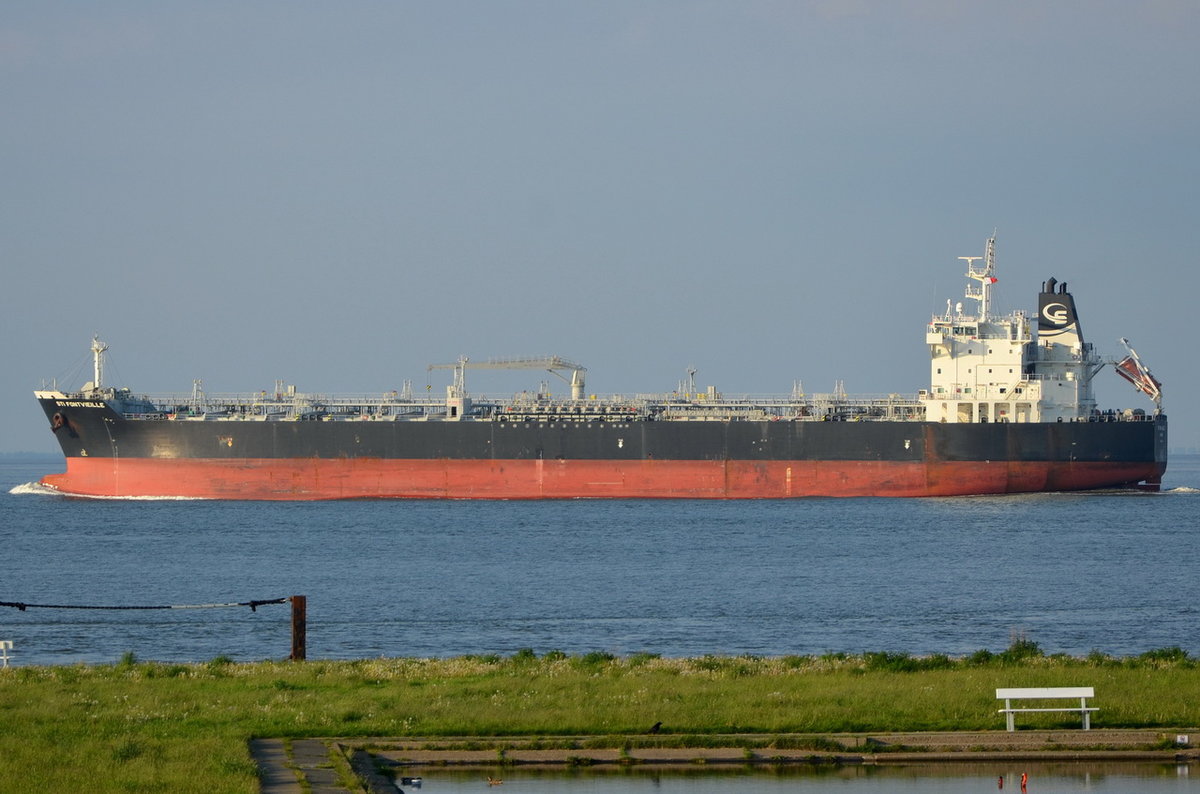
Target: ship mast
986,276
98,349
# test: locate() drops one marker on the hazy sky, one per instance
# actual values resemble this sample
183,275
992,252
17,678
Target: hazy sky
338,194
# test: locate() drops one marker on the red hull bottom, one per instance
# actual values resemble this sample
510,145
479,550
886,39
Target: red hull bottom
361,478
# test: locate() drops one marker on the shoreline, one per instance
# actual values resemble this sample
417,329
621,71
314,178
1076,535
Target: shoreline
378,761
867,748
315,723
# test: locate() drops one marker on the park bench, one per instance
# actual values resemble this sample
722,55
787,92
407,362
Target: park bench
1048,693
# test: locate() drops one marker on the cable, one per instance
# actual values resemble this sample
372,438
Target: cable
254,605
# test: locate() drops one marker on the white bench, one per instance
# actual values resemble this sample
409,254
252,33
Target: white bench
1048,693
5,647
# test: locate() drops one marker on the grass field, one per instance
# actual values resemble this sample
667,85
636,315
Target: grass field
146,727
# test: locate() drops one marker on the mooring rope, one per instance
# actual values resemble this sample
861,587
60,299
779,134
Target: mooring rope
254,605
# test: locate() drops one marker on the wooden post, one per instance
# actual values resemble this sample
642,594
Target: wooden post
299,627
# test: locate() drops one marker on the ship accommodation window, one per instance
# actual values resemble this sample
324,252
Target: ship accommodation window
1003,389
939,370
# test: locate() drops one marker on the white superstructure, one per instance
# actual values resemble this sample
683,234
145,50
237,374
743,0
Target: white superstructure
1011,368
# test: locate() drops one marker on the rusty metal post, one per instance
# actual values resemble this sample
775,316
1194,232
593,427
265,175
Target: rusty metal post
299,627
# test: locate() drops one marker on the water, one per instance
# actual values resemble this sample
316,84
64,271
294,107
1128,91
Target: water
1112,572
1119,778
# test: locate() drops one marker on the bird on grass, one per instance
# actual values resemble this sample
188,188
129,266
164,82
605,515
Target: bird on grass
655,728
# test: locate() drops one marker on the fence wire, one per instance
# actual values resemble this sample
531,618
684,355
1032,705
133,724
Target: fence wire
254,605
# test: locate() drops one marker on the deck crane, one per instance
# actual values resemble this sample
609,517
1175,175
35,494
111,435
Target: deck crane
552,364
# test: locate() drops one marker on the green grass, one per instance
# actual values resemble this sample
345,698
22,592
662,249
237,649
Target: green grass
146,727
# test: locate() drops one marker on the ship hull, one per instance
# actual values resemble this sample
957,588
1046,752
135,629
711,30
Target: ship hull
373,478
109,455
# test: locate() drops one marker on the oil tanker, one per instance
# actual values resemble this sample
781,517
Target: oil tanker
1009,407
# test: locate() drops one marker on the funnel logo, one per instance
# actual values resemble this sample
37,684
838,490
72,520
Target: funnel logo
1056,316
1056,313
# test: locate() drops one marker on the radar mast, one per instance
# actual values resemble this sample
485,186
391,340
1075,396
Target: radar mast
985,275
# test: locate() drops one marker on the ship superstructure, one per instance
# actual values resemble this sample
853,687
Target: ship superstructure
1010,407
1009,368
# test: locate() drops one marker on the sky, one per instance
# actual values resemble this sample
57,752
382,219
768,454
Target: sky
340,194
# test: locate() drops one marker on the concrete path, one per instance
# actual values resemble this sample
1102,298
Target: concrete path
313,762
275,773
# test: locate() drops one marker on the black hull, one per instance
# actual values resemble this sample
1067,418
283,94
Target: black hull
99,432
726,459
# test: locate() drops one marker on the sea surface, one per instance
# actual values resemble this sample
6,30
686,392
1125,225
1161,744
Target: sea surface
1114,572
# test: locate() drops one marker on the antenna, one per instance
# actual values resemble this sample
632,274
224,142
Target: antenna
984,275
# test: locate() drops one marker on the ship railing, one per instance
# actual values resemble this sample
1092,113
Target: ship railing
388,398
817,407
348,406
1005,335
287,404
256,398
774,399
1121,415
809,407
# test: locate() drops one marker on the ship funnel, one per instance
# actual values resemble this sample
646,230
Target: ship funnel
1058,320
